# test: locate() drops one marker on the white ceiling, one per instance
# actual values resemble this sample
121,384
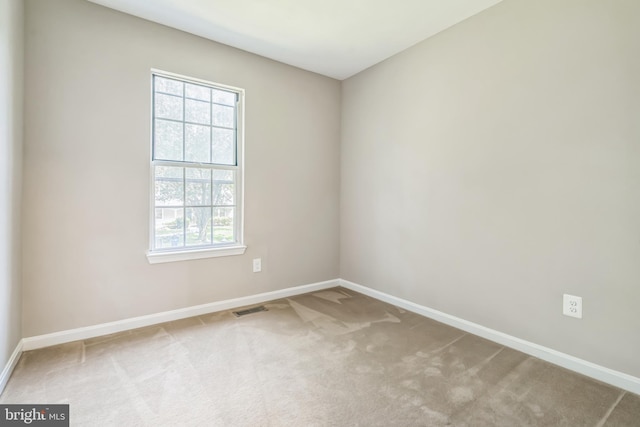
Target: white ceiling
336,38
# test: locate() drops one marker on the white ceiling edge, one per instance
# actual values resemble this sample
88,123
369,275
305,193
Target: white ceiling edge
335,38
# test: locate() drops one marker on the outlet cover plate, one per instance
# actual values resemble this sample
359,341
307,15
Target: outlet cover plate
572,306
257,265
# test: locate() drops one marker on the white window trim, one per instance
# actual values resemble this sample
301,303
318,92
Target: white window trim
189,254
238,248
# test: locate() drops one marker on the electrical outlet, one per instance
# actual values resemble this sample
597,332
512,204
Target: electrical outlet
257,265
572,306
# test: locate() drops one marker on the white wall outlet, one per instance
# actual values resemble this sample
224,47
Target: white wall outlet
572,306
257,265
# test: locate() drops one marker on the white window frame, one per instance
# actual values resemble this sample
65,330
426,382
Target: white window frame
214,250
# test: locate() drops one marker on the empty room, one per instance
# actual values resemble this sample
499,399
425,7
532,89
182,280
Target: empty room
320,213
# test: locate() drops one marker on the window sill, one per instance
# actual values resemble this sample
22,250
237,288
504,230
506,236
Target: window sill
159,257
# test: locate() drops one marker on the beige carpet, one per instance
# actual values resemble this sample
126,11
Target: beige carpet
331,358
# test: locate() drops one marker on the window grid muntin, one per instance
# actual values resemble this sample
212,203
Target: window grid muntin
212,206
184,122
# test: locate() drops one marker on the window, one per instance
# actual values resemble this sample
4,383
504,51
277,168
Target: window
197,169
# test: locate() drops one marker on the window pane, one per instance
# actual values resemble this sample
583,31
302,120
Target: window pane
222,116
223,220
224,97
169,229
197,112
224,146
169,189
223,188
198,186
168,107
168,140
198,226
168,86
197,143
198,92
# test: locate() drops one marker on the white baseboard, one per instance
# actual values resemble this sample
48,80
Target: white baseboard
11,364
606,375
40,341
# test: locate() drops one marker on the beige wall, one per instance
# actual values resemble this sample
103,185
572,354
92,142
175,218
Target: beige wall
86,195
496,166
11,99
